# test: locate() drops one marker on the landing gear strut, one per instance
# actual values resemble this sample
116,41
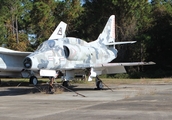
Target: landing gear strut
51,84
99,83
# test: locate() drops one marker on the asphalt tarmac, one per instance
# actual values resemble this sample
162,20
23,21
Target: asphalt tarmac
123,102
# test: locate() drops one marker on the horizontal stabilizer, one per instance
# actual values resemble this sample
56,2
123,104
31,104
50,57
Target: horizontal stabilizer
118,43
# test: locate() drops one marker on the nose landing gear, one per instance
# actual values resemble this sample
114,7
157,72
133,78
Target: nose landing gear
33,80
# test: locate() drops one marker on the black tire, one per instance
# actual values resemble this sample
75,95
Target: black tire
33,80
66,84
99,85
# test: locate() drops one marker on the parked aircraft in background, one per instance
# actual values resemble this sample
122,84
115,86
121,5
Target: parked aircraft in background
11,61
72,56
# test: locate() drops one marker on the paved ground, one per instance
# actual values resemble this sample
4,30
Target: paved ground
125,102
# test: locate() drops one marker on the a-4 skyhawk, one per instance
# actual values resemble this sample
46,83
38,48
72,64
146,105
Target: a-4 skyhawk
72,56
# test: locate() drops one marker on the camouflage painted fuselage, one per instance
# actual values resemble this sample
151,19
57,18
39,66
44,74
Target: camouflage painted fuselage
70,53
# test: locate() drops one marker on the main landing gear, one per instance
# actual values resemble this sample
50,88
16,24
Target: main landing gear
99,83
66,84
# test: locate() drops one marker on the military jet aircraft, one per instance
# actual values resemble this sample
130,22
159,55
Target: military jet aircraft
72,56
11,61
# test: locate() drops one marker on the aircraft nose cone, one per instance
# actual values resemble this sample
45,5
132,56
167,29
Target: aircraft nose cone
27,62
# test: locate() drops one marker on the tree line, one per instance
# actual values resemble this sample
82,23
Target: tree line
24,24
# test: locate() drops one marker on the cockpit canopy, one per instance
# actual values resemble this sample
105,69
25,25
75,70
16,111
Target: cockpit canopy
49,44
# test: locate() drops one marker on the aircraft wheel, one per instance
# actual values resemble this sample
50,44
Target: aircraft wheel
99,85
33,80
66,83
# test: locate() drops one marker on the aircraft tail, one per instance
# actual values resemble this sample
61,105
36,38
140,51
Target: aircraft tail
107,37
59,32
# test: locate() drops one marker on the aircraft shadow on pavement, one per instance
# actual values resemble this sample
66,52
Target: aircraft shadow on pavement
13,91
76,88
13,88
16,88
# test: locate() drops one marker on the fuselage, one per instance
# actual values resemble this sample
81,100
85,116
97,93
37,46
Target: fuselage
69,53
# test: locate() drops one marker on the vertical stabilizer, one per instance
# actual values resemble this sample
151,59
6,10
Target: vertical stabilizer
59,32
108,33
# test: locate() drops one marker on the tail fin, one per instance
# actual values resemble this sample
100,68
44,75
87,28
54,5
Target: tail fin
108,33
59,32
107,37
